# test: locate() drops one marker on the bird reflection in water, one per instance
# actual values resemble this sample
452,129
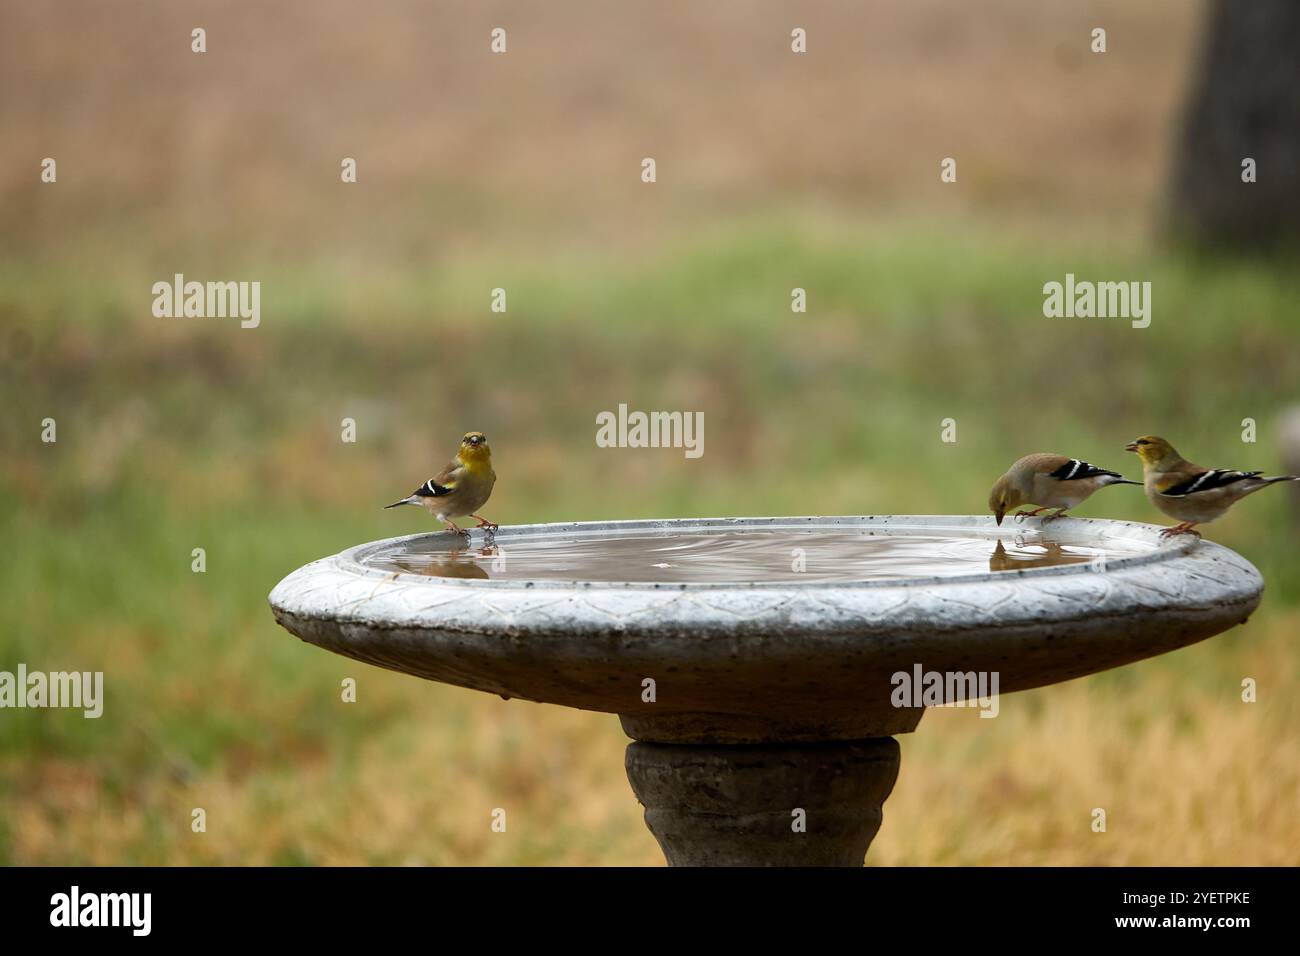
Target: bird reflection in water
1052,556
457,562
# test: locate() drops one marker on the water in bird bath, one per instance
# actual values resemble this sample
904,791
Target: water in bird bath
715,556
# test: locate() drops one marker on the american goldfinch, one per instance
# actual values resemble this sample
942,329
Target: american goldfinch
1049,481
461,488
1190,493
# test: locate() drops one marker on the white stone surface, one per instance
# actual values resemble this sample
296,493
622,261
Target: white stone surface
773,661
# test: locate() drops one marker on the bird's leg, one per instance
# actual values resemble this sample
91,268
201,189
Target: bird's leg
1060,512
452,526
484,523
1022,515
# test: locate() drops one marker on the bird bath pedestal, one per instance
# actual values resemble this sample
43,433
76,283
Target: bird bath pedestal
754,661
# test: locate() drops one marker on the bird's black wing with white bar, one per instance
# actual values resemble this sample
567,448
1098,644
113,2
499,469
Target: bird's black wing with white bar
430,489
1208,481
1075,469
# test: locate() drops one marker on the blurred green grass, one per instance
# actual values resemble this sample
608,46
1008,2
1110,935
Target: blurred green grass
178,434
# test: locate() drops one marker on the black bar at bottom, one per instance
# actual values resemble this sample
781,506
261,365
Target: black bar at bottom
545,906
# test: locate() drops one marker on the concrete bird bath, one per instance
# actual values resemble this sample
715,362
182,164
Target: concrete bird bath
753,660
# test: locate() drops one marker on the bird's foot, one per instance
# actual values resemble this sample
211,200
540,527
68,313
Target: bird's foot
1022,515
484,523
1054,515
451,526
1185,527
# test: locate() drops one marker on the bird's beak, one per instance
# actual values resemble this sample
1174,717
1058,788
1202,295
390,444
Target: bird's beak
1131,446
998,514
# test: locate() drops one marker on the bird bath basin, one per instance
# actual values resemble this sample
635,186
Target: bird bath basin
756,662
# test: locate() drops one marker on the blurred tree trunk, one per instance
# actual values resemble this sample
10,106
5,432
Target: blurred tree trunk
1245,102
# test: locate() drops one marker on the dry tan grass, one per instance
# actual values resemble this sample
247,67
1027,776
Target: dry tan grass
239,148
1187,773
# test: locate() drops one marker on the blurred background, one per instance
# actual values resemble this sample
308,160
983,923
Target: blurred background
522,171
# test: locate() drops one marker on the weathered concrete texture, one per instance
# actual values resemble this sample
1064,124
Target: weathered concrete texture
784,805
780,662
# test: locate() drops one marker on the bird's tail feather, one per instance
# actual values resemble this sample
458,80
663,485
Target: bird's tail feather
405,501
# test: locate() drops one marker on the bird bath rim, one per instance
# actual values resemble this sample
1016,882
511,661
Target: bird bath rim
352,560
769,656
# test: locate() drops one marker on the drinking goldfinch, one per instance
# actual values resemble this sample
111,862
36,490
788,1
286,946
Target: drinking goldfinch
1190,493
1049,481
461,488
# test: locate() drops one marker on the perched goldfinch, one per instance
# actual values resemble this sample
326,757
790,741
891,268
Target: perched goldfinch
1049,481
461,488
1190,493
